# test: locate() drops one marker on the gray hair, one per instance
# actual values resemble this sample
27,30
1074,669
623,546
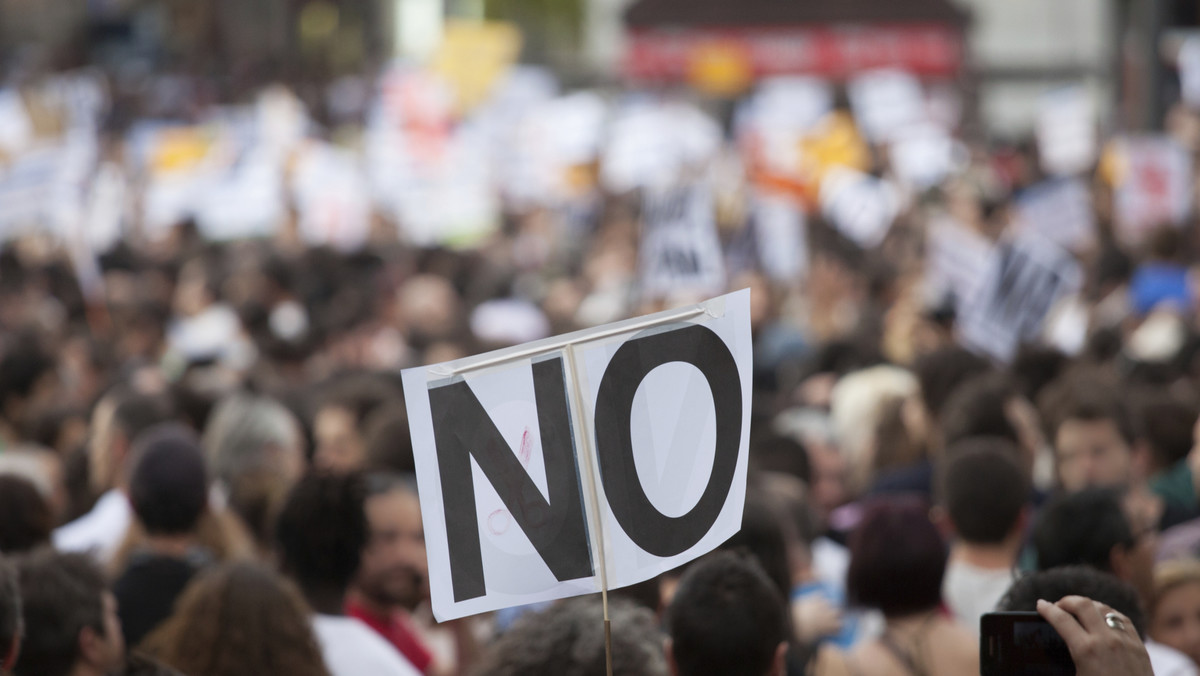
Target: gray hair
242,429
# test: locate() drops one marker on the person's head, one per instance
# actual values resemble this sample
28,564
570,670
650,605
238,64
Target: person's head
1164,430
763,536
1091,432
897,559
118,418
71,623
25,518
255,447
45,470
1056,583
568,638
239,619
321,532
168,486
388,442
1174,610
27,382
942,371
394,569
1092,528
10,616
983,491
727,617
857,404
339,426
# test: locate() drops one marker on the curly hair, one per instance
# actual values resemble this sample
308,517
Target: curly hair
239,619
322,530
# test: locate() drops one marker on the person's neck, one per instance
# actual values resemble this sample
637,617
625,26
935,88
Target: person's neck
326,600
373,606
176,546
1002,556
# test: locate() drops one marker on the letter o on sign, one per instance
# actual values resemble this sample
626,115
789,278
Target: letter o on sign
652,530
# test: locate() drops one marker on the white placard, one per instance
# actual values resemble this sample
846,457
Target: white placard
886,102
956,261
332,197
1066,131
859,205
16,129
781,235
1154,185
922,155
1060,210
535,460
1189,71
680,250
1026,277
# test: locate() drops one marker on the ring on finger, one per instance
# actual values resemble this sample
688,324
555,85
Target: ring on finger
1115,621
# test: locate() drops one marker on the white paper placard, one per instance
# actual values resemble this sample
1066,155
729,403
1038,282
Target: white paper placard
1189,71
1066,131
1026,277
886,102
956,261
859,205
781,235
680,249
1060,210
1154,186
527,474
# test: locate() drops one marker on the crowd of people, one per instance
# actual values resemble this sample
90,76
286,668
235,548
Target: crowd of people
206,468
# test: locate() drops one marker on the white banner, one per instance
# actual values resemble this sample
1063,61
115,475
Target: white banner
607,455
1066,131
680,249
1154,185
1060,210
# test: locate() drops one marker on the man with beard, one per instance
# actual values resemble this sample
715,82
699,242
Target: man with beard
392,577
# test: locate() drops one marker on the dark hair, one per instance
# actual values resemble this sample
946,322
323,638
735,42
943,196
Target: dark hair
1166,423
1089,396
387,439
1035,367
982,489
1082,528
10,608
1052,585
942,371
979,408
21,368
897,559
168,487
772,452
762,537
239,619
568,638
25,517
134,413
139,664
62,594
360,394
727,617
322,529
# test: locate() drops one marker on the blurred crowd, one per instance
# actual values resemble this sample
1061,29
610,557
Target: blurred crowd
976,382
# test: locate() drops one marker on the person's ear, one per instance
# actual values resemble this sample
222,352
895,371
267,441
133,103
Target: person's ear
779,664
92,646
941,519
1120,561
669,652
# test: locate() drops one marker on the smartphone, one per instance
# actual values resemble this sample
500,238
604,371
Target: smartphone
1020,643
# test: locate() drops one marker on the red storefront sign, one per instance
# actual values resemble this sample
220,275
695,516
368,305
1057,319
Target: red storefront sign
668,54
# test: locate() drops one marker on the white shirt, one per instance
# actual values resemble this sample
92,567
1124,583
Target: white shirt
1167,661
351,648
970,591
100,531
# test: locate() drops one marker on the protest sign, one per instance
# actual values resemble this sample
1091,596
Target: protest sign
1027,275
1066,131
886,102
1153,185
582,463
859,205
1188,60
1060,210
781,235
680,249
956,261
922,155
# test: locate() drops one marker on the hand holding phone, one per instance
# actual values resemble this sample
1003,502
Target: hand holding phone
1022,643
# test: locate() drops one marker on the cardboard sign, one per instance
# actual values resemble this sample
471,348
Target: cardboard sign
1066,131
680,249
1025,278
1060,210
1154,185
606,456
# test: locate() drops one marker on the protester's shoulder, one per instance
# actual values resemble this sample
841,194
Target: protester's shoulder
351,647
